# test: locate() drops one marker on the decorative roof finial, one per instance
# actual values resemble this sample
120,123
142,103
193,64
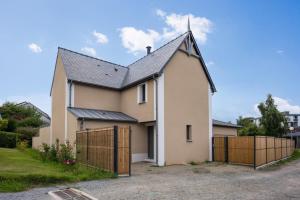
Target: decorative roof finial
189,27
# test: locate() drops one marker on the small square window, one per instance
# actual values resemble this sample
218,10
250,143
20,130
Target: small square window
188,133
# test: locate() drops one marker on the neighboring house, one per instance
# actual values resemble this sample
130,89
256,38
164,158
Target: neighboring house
225,128
165,97
293,120
44,116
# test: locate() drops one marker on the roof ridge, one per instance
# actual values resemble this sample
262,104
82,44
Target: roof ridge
158,48
91,57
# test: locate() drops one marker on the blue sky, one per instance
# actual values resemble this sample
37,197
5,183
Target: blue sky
251,47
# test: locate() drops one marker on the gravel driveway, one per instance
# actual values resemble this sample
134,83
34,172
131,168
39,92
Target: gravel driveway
205,181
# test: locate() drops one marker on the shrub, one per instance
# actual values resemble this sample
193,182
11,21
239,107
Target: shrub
65,154
8,139
3,124
53,153
44,152
22,145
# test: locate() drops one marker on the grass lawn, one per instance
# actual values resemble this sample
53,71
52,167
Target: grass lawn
21,170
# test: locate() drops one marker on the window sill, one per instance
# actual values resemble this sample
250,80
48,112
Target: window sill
189,141
142,102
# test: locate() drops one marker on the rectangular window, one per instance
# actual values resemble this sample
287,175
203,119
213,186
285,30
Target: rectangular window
188,133
142,93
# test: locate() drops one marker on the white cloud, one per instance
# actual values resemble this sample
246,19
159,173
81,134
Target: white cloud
88,50
177,24
100,37
279,51
282,105
42,101
285,105
160,13
210,63
136,40
35,48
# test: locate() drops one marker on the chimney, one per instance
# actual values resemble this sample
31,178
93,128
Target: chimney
148,50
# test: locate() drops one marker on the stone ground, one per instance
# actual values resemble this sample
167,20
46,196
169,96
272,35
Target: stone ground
205,181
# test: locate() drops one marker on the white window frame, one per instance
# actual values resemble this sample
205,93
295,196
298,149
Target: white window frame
139,89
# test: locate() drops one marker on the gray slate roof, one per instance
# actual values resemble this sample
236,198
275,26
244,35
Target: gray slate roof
103,115
225,124
90,70
86,69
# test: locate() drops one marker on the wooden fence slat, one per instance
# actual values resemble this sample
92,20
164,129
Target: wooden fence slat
241,149
95,147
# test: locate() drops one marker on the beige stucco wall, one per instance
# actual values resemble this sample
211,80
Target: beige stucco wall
186,103
58,102
96,98
43,137
228,131
138,131
142,112
73,126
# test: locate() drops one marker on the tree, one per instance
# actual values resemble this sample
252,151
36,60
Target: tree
248,127
20,119
273,121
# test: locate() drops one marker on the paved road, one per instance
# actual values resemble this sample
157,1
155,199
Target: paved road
206,181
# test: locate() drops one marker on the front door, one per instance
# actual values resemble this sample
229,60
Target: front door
150,142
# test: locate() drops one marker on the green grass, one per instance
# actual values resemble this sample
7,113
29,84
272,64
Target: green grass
21,170
294,156
277,165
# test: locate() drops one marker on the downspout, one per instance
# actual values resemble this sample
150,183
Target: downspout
156,117
70,93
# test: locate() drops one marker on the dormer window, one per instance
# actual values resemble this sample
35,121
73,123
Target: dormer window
142,93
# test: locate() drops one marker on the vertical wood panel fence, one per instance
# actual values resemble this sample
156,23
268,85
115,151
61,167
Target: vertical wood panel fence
251,150
105,148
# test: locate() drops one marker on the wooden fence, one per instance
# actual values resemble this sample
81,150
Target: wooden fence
105,148
251,150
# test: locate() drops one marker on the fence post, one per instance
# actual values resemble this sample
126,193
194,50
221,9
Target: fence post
130,151
286,148
266,140
254,152
87,146
213,149
281,148
226,148
275,148
116,150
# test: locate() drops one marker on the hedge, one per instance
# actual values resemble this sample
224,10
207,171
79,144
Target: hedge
8,139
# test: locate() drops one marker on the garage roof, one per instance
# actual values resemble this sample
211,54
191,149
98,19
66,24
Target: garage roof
225,124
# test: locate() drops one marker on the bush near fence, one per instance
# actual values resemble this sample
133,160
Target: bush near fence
251,150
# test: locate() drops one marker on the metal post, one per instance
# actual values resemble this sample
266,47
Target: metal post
275,148
226,148
213,149
87,146
116,150
266,140
254,152
130,159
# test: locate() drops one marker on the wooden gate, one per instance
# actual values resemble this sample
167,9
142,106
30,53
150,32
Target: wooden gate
105,148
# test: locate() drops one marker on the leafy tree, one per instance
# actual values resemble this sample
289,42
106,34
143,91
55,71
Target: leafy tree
3,124
20,119
273,121
248,127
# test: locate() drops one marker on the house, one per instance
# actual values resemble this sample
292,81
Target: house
224,128
292,120
165,97
44,116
